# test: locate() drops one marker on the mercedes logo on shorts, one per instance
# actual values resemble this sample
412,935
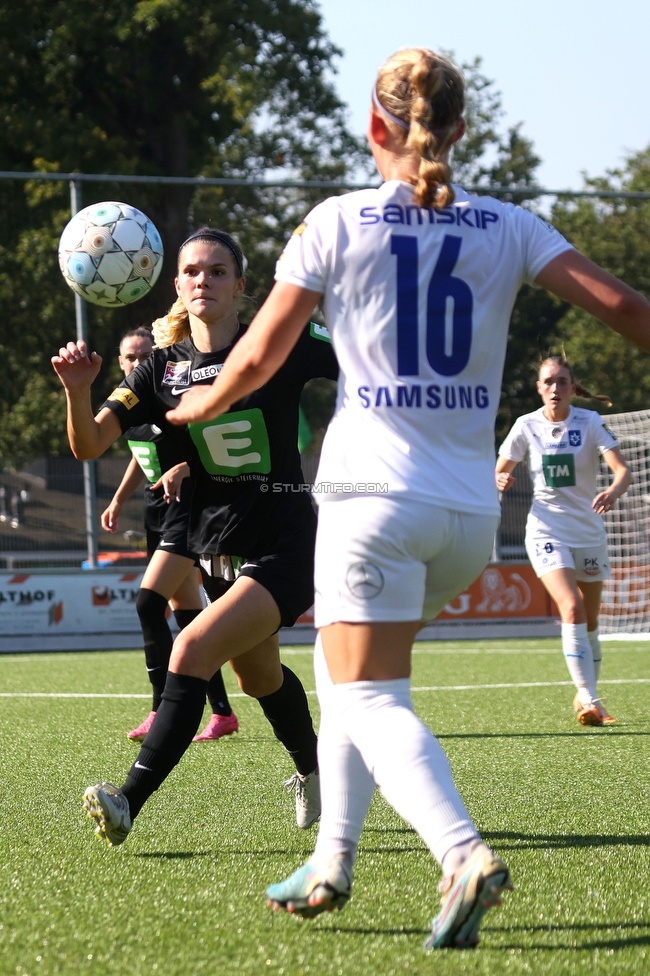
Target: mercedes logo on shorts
364,580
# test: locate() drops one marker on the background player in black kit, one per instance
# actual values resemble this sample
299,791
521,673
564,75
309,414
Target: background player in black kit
236,517
170,577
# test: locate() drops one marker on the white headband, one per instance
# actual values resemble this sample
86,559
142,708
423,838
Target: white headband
438,133
386,113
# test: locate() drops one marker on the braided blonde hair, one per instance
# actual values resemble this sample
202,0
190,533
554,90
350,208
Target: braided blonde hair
561,362
426,91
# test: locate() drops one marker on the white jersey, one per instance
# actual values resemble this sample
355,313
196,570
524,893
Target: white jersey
564,459
418,304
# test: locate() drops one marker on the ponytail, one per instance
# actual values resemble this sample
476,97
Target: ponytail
173,327
586,395
424,93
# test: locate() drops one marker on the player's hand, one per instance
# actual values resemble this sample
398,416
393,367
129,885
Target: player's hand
195,406
504,480
603,502
74,367
172,480
110,516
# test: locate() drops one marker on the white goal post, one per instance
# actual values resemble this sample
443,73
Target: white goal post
626,596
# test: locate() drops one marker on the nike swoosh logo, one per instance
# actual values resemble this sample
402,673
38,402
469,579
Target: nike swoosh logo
165,543
183,389
140,766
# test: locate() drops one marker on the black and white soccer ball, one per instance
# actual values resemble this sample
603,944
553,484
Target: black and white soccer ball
111,254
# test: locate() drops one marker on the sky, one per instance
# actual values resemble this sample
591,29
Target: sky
575,72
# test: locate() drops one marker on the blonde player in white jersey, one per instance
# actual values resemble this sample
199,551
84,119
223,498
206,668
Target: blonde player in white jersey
418,280
565,535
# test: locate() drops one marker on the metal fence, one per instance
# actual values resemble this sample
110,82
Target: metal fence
43,514
49,507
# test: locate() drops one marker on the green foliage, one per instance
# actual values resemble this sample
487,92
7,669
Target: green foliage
616,235
159,87
488,157
485,156
533,333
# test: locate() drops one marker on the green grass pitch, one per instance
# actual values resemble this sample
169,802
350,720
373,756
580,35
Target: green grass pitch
567,807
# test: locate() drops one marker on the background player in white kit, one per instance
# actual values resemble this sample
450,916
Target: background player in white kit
418,288
565,535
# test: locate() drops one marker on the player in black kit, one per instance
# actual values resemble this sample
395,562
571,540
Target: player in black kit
251,520
170,577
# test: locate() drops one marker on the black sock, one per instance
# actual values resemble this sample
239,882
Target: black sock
288,712
185,617
174,727
217,695
151,607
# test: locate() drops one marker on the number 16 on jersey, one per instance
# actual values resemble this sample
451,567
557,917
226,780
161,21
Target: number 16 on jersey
449,310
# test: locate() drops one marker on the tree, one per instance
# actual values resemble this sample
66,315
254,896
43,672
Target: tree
616,235
172,87
157,87
513,161
488,157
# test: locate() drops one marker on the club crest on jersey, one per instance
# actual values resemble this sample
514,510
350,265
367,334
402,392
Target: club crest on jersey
177,374
575,438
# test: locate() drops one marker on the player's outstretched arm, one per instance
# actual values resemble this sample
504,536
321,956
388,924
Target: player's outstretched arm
578,280
89,436
605,500
132,479
258,355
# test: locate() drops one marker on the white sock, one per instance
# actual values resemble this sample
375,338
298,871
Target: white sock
345,783
579,659
596,652
406,762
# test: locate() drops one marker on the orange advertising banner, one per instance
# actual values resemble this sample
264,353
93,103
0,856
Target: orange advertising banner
502,591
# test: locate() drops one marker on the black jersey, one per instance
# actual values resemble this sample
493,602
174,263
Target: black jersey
156,453
249,498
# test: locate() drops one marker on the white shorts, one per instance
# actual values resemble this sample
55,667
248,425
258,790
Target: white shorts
591,563
382,559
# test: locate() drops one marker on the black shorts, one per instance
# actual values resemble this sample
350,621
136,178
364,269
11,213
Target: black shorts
167,524
288,576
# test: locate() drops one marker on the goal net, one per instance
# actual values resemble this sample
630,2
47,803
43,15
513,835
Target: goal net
626,596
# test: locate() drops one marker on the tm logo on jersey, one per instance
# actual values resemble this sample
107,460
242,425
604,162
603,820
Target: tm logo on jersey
575,438
236,443
559,470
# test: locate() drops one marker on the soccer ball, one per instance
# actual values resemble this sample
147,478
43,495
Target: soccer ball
111,254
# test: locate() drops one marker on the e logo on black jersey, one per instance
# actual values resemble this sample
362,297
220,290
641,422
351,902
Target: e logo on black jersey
235,443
